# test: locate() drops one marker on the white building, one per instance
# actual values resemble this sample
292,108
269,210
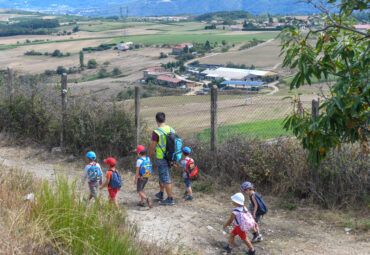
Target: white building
235,74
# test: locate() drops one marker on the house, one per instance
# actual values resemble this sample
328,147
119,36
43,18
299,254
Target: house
178,49
236,28
173,82
122,47
362,27
153,71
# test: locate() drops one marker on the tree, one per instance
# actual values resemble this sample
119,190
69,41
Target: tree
92,64
76,29
186,49
82,57
336,50
56,53
207,46
116,71
61,70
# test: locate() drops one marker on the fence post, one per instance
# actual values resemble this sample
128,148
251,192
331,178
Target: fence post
314,170
214,120
137,114
64,91
11,83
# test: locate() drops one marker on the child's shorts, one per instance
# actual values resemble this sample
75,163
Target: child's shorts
187,182
113,192
141,182
238,232
93,188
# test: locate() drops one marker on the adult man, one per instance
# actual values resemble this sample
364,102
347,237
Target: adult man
159,141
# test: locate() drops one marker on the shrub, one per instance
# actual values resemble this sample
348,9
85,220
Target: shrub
56,53
91,125
281,168
61,70
116,71
103,73
92,64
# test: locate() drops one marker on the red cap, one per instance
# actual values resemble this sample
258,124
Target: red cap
140,149
110,161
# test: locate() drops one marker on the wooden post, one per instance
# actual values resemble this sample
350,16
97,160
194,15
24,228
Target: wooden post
64,91
214,119
137,114
314,170
11,83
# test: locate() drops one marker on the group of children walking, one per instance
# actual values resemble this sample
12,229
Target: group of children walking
243,220
144,170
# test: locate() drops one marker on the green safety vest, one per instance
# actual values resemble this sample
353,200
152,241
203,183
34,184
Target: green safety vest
160,149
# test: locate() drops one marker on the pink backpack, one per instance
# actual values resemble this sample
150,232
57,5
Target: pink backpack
245,220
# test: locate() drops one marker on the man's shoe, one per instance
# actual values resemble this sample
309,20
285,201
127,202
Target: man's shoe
228,249
141,204
168,201
186,193
251,252
257,238
159,195
189,198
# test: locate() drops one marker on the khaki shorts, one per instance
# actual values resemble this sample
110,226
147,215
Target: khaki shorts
93,186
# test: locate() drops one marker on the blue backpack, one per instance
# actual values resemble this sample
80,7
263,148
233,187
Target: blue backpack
115,180
262,207
146,168
173,151
94,173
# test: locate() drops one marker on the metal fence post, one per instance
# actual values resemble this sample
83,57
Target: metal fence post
11,83
137,114
64,91
214,120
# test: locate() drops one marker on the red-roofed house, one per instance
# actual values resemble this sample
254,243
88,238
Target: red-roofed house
173,82
153,70
362,27
178,49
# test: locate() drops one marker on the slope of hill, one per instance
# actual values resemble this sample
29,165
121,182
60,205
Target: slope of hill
159,7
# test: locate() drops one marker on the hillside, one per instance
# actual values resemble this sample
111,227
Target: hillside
158,7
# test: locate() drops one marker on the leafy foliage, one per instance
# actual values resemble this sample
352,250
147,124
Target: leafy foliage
340,51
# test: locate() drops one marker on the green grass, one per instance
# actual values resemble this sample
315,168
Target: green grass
78,227
7,47
261,129
193,38
102,27
314,80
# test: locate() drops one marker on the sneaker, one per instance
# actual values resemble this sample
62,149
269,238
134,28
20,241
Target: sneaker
257,238
186,193
189,198
141,204
168,201
149,201
251,252
228,249
159,195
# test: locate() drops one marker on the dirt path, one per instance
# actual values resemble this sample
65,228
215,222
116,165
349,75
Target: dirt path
197,226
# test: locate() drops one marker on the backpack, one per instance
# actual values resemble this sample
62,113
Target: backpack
191,169
262,207
94,173
173,151
115,180
244,220
146,168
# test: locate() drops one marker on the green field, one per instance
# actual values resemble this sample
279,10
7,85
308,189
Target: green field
193,38
261,129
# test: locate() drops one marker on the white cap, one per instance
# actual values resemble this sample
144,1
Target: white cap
238,198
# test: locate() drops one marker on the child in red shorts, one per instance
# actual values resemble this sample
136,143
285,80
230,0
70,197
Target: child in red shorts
111,162
238,202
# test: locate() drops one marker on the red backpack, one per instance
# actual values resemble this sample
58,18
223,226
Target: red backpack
191,169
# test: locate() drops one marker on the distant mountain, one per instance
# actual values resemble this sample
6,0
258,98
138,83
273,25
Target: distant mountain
158,7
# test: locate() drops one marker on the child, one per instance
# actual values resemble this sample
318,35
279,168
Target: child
143,171
257,206
93,173
186,151
113,182
238,202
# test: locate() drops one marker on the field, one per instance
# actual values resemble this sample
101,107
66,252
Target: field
261,129
195,116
